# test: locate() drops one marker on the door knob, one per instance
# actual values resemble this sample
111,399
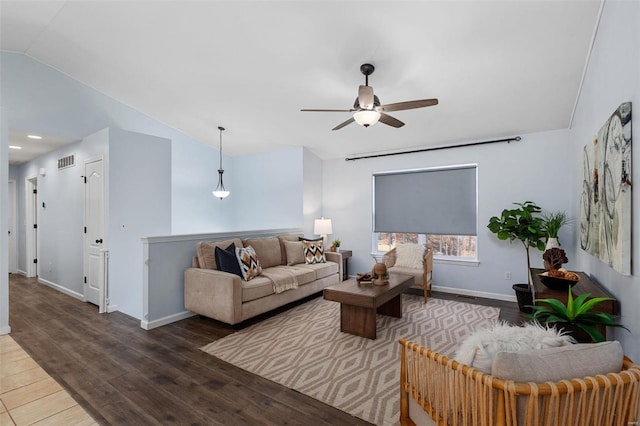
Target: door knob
99,241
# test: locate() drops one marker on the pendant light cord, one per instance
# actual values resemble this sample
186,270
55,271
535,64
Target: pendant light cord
221,130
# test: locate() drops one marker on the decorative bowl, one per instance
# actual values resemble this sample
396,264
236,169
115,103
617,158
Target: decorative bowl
556,283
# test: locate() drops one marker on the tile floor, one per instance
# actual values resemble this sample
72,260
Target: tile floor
28,396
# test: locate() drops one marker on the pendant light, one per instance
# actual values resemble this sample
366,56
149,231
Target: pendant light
220,191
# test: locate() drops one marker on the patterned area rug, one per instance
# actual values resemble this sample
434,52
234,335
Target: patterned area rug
303,349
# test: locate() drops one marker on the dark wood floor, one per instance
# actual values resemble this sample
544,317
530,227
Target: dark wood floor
122,374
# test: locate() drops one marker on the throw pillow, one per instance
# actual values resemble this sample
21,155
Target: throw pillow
295,252
562,363
227,261
410,255
310,239
313,252
249,263
479,349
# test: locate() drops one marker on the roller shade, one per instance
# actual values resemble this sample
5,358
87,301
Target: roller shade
430,201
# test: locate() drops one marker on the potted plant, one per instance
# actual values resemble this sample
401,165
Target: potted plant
335,244
577,315
552,223
525,225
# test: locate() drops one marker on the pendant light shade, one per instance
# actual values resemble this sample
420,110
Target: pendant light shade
220,191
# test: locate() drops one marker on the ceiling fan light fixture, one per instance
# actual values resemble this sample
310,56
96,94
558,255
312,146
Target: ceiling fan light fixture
366,117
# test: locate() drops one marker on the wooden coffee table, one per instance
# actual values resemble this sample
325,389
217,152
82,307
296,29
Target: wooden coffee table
360,303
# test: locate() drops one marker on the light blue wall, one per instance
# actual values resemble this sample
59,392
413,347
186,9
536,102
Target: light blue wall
532,169
267,190
613,77
35,93
312,192
139,200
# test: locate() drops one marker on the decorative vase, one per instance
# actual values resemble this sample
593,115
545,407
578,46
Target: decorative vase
552,243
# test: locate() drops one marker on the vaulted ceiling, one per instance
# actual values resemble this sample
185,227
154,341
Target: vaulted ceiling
498,68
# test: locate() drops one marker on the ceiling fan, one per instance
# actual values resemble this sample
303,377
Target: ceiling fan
367,110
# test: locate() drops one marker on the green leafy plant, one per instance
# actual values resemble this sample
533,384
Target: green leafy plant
336,242
579,313
554,221
523,224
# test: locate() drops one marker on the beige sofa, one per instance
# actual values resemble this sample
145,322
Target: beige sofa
228,298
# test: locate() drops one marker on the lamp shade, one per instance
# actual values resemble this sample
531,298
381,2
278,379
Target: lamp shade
366,117
322,227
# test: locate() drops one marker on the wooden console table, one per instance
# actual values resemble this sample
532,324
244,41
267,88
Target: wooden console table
585,285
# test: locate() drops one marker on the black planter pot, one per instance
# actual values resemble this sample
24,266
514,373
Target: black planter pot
524,296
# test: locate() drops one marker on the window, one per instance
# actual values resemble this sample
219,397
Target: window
434,206
444,246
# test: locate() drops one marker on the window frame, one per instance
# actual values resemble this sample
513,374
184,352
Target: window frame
440,258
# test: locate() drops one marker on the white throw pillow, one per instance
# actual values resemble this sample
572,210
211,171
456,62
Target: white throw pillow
480,348
410,255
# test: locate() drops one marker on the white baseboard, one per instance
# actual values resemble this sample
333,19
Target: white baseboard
5,330
21,272
474,293
148,325
62,289
112,308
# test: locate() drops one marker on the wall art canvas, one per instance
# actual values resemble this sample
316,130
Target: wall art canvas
605,200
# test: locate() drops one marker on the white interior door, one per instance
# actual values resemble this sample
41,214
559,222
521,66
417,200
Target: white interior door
94,231
12,228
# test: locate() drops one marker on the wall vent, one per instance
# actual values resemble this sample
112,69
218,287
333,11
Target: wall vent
68,161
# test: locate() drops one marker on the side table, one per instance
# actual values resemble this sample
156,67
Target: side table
346,254
585,285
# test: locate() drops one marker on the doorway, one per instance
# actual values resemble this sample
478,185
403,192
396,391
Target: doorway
13,243
31,223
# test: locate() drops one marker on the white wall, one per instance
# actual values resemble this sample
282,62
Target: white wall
613,77
4,226
533,169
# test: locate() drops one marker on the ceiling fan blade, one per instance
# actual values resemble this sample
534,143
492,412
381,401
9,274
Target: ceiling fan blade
401,106
390,121
327,110
341,125
365,97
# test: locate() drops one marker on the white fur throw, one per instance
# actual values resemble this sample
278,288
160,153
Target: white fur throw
410,255
480,348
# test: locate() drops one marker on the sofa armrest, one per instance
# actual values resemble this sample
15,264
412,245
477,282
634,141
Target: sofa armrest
336,257
214,294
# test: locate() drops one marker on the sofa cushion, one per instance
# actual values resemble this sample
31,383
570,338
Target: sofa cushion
206,251
561,363
294,252
321,270
303,275
282,239
410,255
227,261
479,349
256,288
249,262
267,250
313,252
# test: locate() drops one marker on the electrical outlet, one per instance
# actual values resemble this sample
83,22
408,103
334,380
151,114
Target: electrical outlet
507,275
123,227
